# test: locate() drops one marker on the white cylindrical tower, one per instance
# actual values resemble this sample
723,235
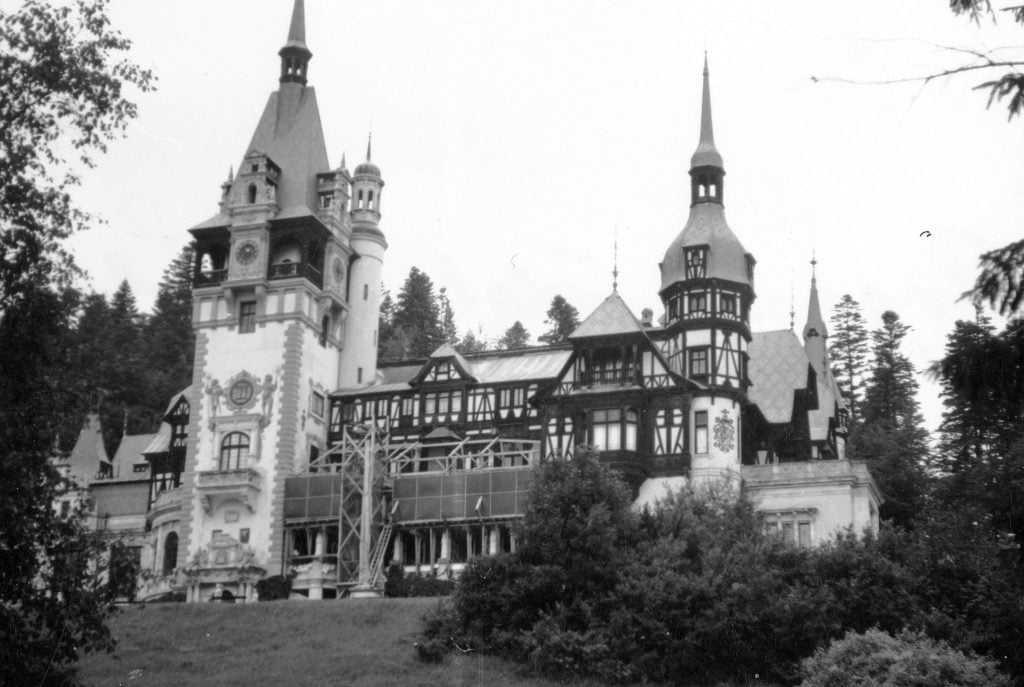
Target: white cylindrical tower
359,355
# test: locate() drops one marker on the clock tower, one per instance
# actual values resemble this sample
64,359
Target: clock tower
271,304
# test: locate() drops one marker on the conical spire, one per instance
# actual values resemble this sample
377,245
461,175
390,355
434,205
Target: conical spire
815,333
295,54
369,145
297,29
707,154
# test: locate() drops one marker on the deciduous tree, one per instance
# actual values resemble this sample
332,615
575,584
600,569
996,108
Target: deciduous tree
64,79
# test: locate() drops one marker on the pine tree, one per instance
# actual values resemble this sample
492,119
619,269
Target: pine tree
891,436
169,339
515,336
449,331
417,319
385,328
563,319
848,351
472,343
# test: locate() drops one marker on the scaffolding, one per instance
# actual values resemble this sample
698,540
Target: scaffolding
373,483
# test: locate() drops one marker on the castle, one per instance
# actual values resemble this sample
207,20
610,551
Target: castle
296,452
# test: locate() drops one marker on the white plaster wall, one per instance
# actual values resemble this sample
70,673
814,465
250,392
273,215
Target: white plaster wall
716,464
838,506
360,350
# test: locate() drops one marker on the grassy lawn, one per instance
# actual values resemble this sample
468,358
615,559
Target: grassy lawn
352,642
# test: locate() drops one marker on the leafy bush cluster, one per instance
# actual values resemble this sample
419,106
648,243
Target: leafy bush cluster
398,584
696,591
274,588
876,659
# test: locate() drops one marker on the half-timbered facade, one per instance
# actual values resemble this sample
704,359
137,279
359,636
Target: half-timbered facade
296,452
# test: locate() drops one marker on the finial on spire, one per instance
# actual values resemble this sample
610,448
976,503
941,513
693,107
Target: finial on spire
369,144
297,29
814,265
707,154
615,262
231,174
342,160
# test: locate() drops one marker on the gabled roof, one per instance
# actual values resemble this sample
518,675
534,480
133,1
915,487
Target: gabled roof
445,353
778,368
611,318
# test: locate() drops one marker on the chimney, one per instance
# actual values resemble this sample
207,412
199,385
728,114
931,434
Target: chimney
647,318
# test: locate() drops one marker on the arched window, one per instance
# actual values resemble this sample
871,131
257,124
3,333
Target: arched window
170,553
251,194
232,449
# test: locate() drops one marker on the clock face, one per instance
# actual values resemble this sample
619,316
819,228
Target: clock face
339,270
247,252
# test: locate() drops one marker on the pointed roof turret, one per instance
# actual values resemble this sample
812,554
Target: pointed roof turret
612,317
295,55
706,227
815,333
706,154
368,167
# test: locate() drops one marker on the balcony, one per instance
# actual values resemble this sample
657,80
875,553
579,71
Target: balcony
209,277
608,377
291,270
216,486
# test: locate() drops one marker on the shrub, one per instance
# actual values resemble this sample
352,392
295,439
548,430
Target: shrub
877,659
274,588
398,584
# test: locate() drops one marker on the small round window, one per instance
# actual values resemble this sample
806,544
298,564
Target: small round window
241,393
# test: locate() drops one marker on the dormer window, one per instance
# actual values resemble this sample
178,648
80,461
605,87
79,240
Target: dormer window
696,262
326,200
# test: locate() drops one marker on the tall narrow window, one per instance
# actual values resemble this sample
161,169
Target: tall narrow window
631,425
727,304
700,431
325,326
697,305
251,194
233,448
698,363
606,428
247,317
366,292
170,553
359,376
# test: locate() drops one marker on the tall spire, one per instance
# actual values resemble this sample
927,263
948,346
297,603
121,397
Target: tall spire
297,29
295,55
815,333
707,154
369,146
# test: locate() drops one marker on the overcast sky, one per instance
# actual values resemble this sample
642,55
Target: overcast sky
515,137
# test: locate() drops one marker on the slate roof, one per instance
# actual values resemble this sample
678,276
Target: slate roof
129,452
727,259
611,317
778,366
88,453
